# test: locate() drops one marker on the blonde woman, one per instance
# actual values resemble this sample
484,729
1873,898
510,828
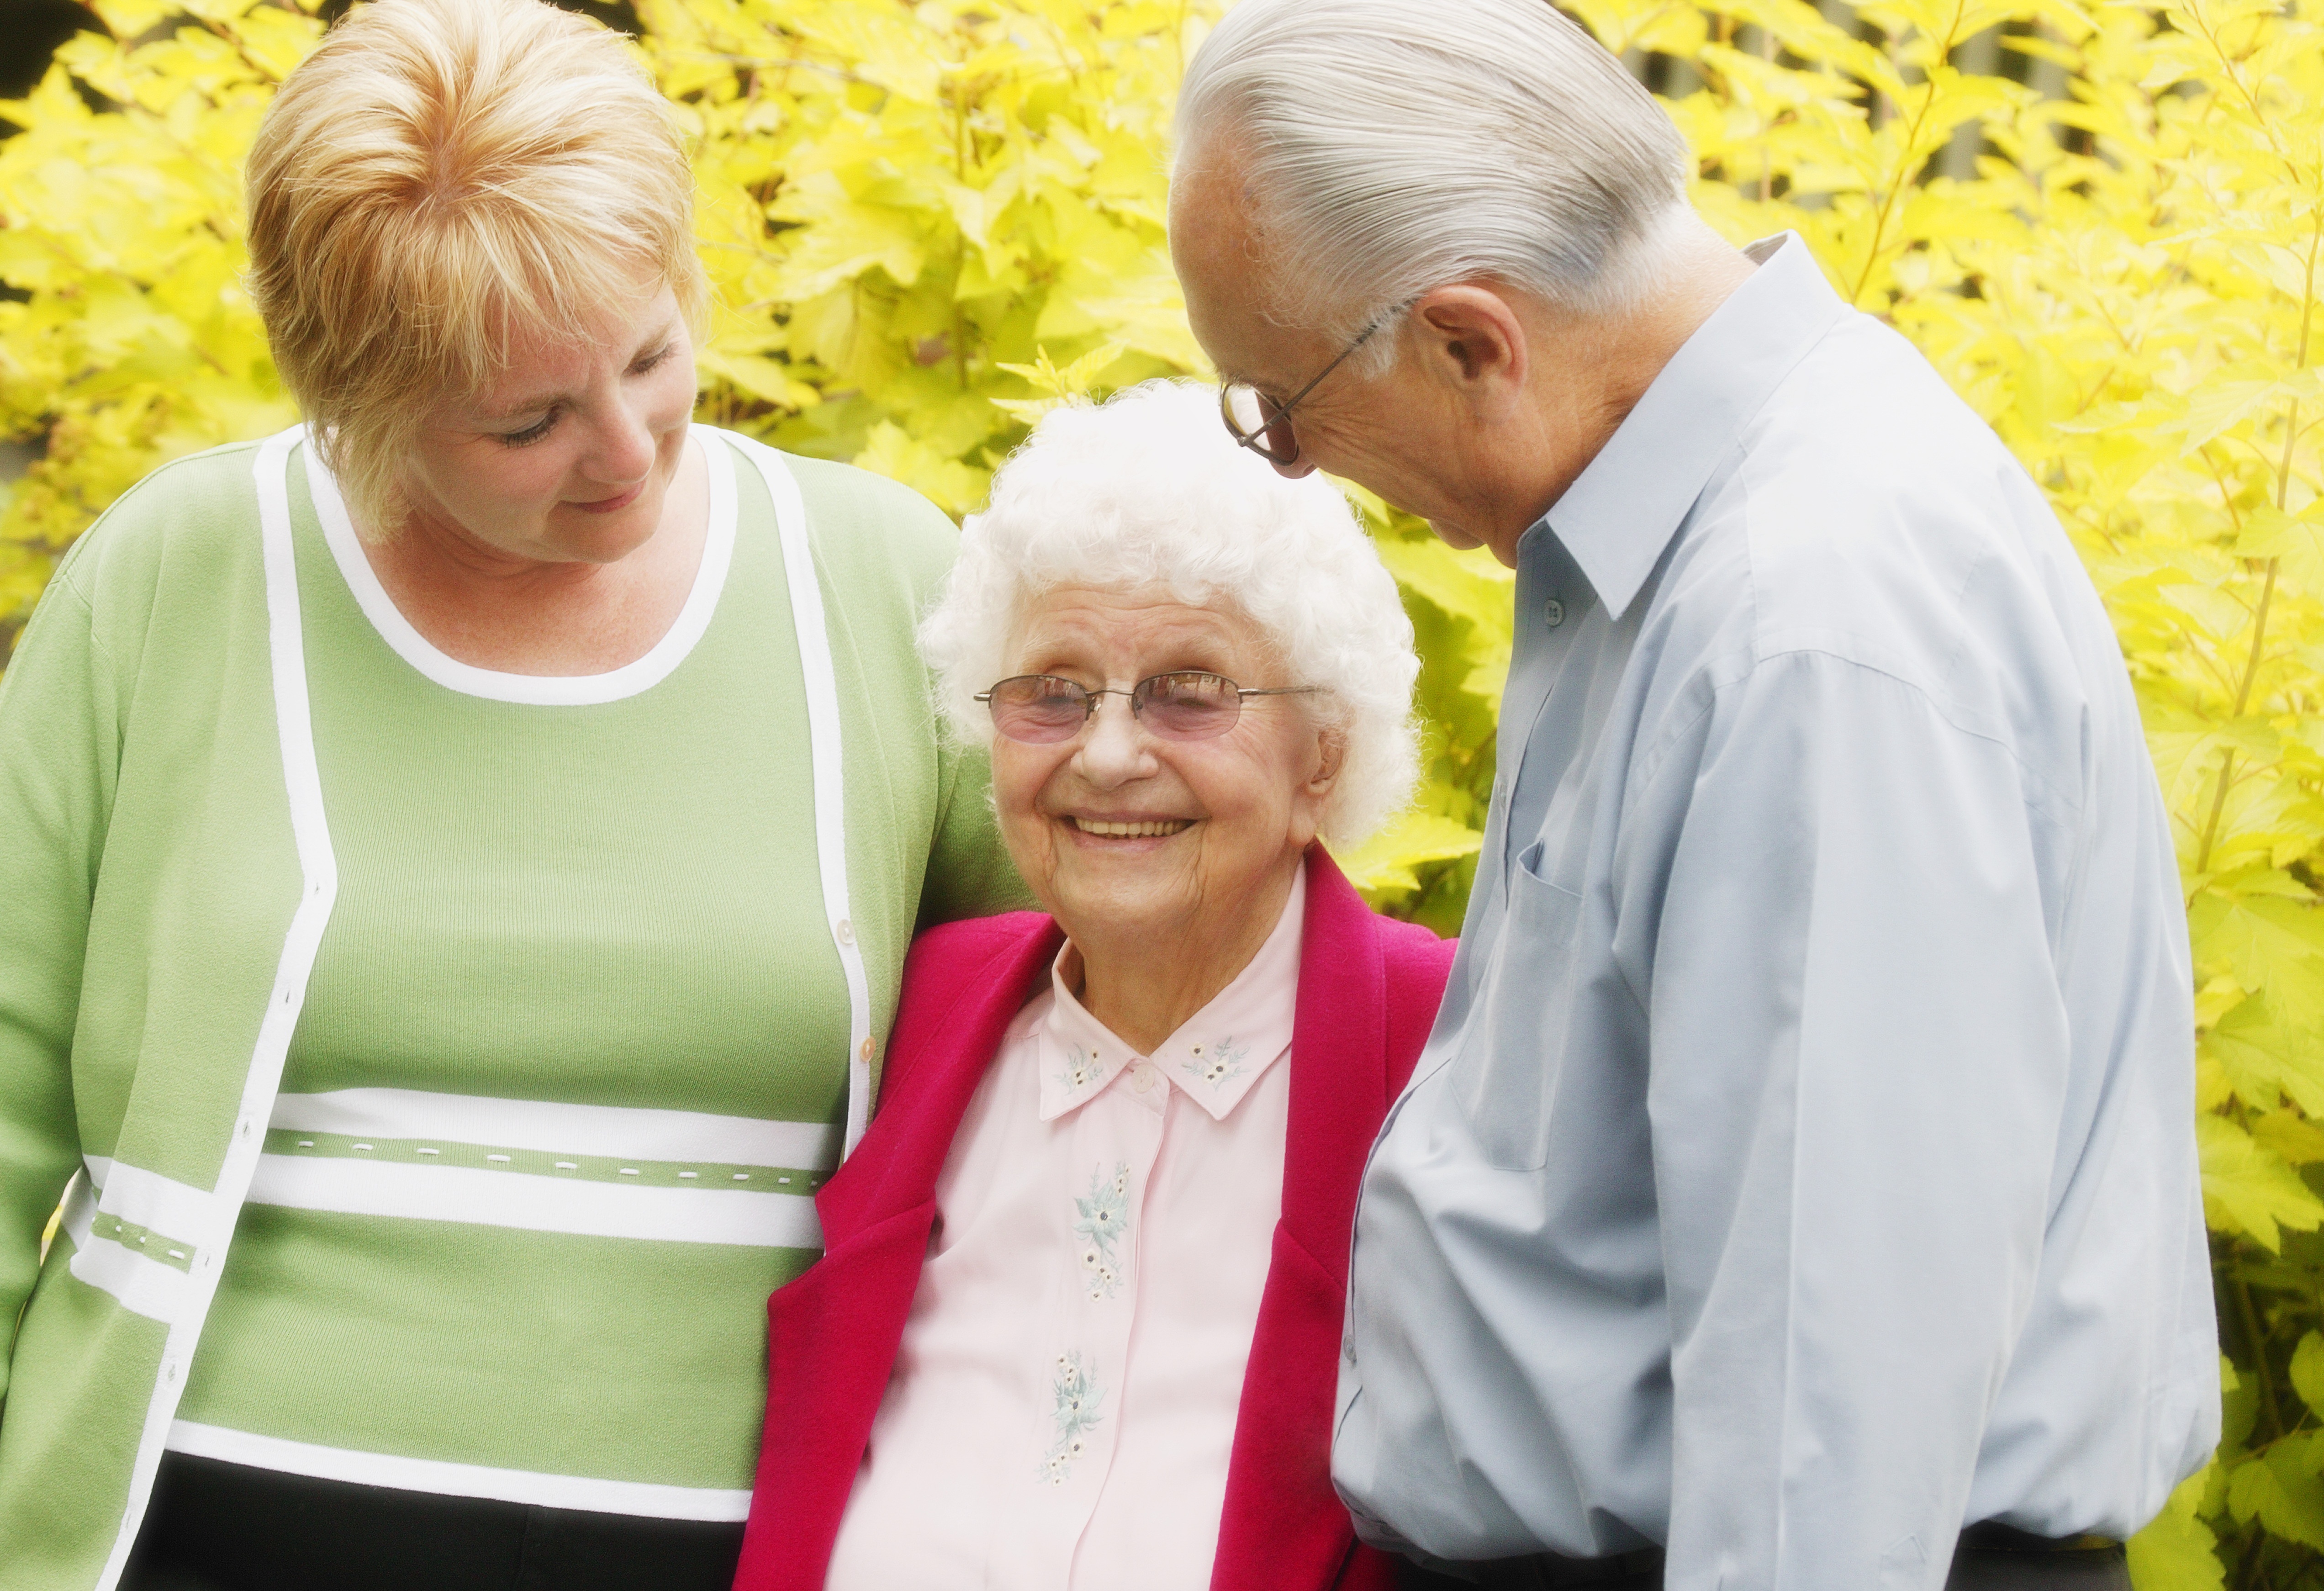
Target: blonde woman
458,859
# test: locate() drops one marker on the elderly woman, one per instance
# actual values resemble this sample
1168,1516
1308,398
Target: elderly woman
459,861
1080,1318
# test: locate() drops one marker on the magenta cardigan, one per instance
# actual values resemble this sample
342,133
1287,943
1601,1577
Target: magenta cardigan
1368,987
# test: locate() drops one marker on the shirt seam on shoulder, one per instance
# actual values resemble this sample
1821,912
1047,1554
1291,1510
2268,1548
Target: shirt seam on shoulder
1651,766
67,579
2070,807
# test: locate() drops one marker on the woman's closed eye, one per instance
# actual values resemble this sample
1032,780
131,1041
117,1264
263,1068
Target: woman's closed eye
530,433
644,365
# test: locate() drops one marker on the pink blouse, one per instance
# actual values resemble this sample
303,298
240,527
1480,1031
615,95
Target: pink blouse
1102,1235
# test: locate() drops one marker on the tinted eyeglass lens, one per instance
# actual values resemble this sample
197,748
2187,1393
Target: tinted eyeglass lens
1245,410
1189,707
1038,707
1260,423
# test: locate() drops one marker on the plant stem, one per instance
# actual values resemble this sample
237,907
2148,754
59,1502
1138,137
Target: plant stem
2243,698
1766,148
2259,1354
2267,588
1905,164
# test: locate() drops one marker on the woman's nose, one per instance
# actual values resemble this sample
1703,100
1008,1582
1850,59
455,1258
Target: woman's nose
623,449
1114,747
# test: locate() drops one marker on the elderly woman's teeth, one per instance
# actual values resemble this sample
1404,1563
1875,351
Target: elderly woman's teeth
1132,830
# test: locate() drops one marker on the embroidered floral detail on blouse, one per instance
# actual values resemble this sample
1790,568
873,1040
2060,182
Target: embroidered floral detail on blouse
1216,1063
1074,1415
1104,1217
1082,1069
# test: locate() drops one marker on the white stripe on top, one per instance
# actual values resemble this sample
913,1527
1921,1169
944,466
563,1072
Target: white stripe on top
640,674
826,762
643,1499
150,1199
142,1285
559,1129
533,1203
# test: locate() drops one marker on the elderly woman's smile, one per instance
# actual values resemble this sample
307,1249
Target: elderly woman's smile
1128,828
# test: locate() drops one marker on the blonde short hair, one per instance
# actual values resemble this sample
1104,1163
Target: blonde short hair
441,180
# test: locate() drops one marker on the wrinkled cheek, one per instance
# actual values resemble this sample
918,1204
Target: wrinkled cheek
1032,847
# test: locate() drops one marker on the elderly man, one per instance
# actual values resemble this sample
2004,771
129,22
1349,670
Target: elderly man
1800,1178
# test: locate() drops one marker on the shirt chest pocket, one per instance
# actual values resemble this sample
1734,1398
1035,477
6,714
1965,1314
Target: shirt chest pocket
1513,1049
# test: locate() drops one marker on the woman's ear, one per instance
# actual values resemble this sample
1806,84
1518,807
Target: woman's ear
1314,793
1332,750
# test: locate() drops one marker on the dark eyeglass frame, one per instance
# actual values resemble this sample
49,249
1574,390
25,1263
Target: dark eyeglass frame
1261,440
1140,696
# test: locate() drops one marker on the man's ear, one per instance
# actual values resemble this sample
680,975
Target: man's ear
1473,339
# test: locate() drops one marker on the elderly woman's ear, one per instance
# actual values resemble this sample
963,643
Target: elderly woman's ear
1330,755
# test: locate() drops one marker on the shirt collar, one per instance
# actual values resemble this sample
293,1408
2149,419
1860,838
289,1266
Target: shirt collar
1214,1059
1623,509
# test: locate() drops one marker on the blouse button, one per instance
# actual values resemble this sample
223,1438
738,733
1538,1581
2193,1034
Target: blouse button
1141,1077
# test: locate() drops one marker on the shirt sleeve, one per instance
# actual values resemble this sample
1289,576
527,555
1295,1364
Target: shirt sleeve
58,759
1857,1067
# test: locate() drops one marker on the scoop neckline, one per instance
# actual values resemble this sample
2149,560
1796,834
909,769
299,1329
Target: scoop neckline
640,674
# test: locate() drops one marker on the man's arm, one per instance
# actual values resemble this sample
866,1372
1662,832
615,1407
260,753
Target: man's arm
1859,1058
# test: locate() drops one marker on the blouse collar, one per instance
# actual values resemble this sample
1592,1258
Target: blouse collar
1214,1059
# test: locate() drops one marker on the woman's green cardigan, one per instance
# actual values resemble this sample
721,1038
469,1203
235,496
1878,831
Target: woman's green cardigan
160,910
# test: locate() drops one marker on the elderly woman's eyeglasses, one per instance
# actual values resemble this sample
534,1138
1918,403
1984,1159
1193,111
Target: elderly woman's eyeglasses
1042,709
1261,424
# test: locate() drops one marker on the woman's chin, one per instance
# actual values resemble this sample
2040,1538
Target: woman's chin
606,539
1118,909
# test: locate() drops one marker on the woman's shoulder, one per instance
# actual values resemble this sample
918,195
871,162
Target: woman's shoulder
866,525
1415,958
1410,951
959,949
954,966
188,531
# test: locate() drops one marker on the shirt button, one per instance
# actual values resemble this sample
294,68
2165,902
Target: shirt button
1553,613
1141,1077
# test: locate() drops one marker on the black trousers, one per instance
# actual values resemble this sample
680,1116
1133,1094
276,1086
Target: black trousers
225,1527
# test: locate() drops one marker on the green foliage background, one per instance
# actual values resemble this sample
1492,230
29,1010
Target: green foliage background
927,222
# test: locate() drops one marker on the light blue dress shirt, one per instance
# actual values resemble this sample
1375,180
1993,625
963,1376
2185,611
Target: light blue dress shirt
1802,1164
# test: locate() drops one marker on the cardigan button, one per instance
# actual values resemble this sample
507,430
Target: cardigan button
844,932
865,1049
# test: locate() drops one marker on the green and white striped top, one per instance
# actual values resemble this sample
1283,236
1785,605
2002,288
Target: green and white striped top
573,1055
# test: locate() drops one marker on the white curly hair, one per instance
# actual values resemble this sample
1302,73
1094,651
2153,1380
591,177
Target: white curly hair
1148,490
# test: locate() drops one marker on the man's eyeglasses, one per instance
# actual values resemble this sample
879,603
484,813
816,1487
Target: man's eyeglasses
1263,425
1042,709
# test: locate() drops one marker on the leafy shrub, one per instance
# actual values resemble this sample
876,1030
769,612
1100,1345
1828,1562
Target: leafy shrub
927,222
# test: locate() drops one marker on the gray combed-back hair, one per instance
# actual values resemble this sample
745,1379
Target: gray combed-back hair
1393,146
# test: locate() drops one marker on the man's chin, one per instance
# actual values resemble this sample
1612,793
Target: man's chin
1454,537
